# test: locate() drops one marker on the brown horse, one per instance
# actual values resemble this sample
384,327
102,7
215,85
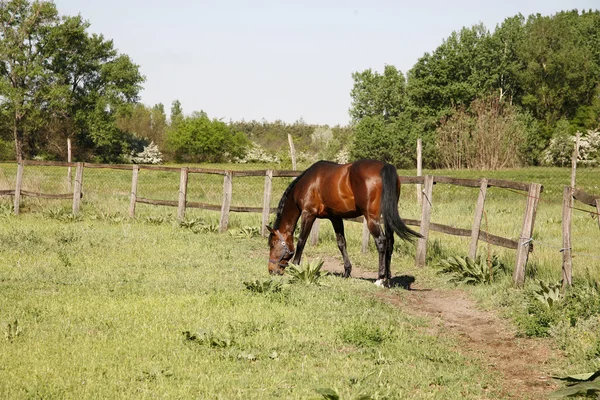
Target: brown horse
332,191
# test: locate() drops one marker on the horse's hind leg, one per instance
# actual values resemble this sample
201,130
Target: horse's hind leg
305,227
381,244
338,227
389,250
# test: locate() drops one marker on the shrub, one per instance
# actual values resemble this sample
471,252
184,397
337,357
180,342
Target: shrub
150,155
469,271
308,273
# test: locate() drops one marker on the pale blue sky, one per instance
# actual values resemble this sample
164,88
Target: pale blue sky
281,59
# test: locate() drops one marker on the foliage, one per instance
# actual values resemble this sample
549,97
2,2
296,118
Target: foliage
490,135
246,232
586,385
560,149
208,338
57,81
378,95
266,286
199,139
548,294
150,155
472,272
308,273
256,154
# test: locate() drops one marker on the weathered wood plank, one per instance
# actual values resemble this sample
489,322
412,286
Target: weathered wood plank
266,201
585,198
526,233
567,262
46,195
475,229
134,185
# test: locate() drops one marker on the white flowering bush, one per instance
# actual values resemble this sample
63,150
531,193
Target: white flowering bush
560,150
150,155
256,154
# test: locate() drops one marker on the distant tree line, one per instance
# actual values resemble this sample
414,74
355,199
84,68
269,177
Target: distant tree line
482,99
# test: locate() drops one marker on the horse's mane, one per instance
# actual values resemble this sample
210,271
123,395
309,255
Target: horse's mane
284,197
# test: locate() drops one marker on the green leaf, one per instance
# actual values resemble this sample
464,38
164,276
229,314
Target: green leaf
328,394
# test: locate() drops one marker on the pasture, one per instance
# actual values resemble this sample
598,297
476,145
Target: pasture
103,303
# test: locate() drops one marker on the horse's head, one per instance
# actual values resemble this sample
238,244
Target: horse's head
281,250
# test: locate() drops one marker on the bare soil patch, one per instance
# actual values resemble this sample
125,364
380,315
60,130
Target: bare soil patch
521,365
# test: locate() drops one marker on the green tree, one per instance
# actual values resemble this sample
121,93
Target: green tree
25,82
375,94
199,139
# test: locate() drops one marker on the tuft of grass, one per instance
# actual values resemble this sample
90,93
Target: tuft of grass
471,272
308,273
267,286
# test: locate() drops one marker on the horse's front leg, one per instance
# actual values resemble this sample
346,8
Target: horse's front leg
305,226
338,227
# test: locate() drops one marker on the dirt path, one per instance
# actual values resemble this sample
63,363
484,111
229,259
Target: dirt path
520,364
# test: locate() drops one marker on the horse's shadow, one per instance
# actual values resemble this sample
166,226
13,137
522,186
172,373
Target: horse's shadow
401,281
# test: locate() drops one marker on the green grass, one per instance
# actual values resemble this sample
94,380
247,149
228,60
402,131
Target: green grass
105,300
102,308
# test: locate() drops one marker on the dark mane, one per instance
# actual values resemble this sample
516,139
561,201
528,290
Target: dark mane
284,199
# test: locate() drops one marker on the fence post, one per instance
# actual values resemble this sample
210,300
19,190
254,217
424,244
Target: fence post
567,263
419,170
425,219
477,220
69,159
526,233
227,191
266,202
134,181
77,191
183,180
18,186
292,151
598,211
314,232
365,237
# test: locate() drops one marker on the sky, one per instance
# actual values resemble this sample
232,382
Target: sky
286,60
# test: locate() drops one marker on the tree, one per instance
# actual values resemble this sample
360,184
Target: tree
378,95
58,80
199,139
25,82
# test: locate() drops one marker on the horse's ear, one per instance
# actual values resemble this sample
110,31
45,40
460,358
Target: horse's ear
270,229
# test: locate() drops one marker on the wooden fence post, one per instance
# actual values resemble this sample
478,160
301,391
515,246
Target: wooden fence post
183,180
227,191
134,181
77,191
69,174
425,219
314,232
598,211
18,186
292,151
419,170
526,233
477,220
266,202
567,263
366,234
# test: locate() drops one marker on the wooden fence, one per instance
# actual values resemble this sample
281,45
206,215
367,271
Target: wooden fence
522,245
570,194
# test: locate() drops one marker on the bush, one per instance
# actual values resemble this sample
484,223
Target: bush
469,271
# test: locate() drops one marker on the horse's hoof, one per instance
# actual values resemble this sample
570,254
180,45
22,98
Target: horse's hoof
380,283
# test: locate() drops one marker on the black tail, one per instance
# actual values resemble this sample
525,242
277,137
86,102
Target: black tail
389,205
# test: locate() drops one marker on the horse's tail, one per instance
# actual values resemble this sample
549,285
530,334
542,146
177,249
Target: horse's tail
389,205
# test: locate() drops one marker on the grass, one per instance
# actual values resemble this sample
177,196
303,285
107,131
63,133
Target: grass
102,302
142,310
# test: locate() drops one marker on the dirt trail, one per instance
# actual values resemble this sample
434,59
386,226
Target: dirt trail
520,364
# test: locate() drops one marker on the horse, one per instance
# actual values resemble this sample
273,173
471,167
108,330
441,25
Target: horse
336,191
